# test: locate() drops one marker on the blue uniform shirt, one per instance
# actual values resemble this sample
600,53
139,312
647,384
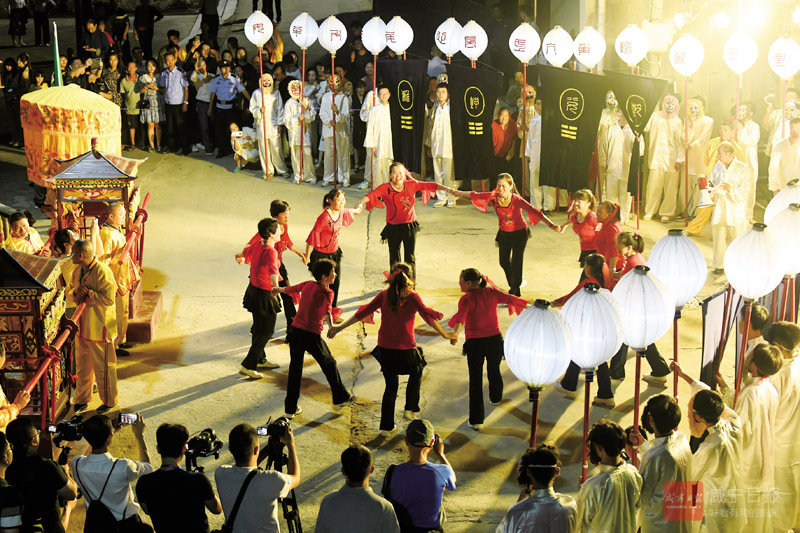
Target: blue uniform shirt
173,82
226,90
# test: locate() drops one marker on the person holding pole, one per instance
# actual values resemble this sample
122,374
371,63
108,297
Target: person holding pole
294,111
269,119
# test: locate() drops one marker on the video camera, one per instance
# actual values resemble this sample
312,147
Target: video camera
277,459
66,431
204,444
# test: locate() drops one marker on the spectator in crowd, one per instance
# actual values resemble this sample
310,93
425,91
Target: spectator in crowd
175,499
231,44
260,488
109,39
131,98
18,19
224,90
201,79
10,499
110,80
41,21
539,507
355,507
281,80
210,17
107,479
359,59
120,27
244,142
10,411
63,64
175,88
415,488
152,106
436,64
95,43
38,81
504,140
145,17
40,482
24,71
173,40
138,58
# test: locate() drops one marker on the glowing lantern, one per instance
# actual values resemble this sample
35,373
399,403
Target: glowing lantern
258,28
740,52
448,37
686,55
473,41
399,35
304,30
590,47
784,57
373,35
524,42
632,45
332,34
557,46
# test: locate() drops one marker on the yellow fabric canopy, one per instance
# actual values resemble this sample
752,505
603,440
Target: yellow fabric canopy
60,122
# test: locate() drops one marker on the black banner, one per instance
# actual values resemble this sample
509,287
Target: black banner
638,97
473,93
408,82
572,103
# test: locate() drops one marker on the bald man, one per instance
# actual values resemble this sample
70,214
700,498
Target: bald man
94,346
114,238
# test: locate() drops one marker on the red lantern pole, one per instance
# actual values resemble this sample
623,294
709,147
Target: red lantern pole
534,398
743,350
786,283
587,390
263,112
636,402
725,315
686,151
525,121
675,349
333,101
791,299
374,93
302,116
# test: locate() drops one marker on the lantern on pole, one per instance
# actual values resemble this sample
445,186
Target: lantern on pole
399,35
686,56
304,31
448,38
473,41
740,53
647,310
590,47
789,195
373,37
678,262
595,320
754,265
524,43
784,60
558,46
786,228
332,36
258,30
632,45
537,347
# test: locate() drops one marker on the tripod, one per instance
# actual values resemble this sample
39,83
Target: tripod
276,460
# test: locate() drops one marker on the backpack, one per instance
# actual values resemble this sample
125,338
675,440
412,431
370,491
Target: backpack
98,517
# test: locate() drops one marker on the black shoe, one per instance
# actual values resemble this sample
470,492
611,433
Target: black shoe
78,407
125,345
122,353
105,408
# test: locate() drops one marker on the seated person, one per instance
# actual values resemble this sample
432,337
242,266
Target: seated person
21,237
245,145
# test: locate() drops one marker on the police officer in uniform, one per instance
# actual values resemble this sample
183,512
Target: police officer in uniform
224,89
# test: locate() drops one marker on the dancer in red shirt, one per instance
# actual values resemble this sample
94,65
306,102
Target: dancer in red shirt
584,222
323,241
629,254
477,312
397,350
258,298
596,271
399,197
316,301
513,235
605,239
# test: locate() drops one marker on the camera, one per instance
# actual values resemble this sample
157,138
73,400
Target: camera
67,430
278,428
204,444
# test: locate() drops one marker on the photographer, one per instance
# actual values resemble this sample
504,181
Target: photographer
258,512
39,481
108,480
175,499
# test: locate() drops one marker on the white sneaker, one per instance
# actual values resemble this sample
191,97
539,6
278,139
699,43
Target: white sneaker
440,203
268,365
476,427
647,217
363,185
250,373
197,147
312,181
451,203
655,380
524,282
326,181
296,179
604,402
345,183
385,433
409,415
292,415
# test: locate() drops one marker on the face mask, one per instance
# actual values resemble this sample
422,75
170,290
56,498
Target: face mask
694,109
611,101
669,107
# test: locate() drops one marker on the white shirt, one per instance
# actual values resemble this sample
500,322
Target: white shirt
748,139
533,146
441,139
291,119
787,423
664,459
784,165
699,135
666,142
545,511
778,132
353,509
91,473
258,512
620,149
202,82
379,132
326,114
366,107
608,501
274,106
607,120
729,206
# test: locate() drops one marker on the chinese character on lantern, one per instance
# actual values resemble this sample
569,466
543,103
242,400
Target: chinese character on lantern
470,41
337,34
584,48
680,58
779,59
390,37
441,37
550,47
520,45
258,28
297,30
625,47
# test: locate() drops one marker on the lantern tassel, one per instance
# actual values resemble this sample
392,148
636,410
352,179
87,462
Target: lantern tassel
786,283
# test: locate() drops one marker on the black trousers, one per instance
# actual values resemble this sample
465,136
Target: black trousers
262,330
289,310
146,42
177,138
489,349
390,397
41,27
658,365
273,16
408,238
213,25
336,257
512,252
222,132
570,380
300,342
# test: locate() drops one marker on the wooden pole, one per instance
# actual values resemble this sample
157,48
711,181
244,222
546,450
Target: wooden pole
302,116
525,122
636,401
743,350
686,151
723,335
675,349
333,102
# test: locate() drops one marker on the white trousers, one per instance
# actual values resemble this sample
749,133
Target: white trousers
443,174
342,157
544,197
122,303
368,165
276,161
381,166
752,180
719,238
308,163
661,184
617,192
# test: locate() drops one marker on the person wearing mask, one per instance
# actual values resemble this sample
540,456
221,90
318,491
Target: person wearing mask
298,117
378,139
700,127
619,150
271,116
665,159
334,111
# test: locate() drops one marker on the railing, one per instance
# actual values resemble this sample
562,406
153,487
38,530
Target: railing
137,230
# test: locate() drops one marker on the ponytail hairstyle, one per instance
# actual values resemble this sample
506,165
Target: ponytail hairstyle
60,240
330,196
399,279
612,209
634,240
505,176
586,194
595,262
471,275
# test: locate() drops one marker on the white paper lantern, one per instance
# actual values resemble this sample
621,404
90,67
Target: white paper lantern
647,307
686,55
538,345
399,35
754,262
595,321
558,46
786,228
590,47
784,57
524,42
373,35
740,52
632,45
678,262
258,28
789,195
304,30
473,40
448,37
332,34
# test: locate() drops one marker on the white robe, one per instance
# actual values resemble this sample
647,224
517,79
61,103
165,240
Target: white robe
608,501
748,138
729,206
787,445
544,511
326,114
664,459
291,119
363,114
441,137
274,106
379,136
784,165
779,130
666,142
608,119
619,149
699,136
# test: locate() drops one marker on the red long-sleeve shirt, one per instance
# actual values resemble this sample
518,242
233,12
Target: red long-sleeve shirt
315,302
605,240
324,236
400,204
585,230
561,301
397,327
477,310
285,243
510,217
629,263
264,262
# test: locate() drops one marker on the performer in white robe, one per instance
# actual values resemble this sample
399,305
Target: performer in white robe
272,114
776,121
748,134
363,114
539,507
700,129
609,500
619,149
730,197
608,119
784,165
665,159
440,144
378,141
335,107
291,119
542,197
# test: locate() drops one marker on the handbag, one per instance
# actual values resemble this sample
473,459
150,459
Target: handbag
227,527
143,103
